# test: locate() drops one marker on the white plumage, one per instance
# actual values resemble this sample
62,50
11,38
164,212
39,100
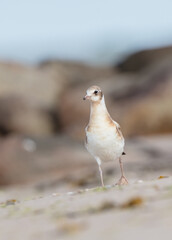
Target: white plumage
104,140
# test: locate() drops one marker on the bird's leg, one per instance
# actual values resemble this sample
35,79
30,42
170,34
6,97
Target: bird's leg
122,180
100,170
101,175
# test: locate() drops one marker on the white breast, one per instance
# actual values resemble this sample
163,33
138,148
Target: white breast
104,142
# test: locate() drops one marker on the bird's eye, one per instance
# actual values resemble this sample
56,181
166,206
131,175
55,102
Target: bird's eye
95,92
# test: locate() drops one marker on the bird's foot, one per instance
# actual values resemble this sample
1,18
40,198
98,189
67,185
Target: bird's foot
122,181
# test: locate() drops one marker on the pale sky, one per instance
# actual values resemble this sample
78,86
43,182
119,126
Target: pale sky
94,31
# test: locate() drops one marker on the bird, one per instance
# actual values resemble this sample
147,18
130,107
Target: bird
104,139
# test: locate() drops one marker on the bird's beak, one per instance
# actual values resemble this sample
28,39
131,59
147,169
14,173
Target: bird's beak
86,97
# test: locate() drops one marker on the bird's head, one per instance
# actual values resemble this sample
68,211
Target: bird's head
93,94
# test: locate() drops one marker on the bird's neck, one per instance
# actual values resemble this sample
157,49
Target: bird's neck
98,111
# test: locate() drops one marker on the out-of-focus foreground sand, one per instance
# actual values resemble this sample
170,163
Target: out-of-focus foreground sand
142,210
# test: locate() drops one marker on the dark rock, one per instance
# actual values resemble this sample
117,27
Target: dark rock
140,60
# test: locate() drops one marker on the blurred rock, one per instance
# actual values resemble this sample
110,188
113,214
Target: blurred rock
38,86
27,97
143,59
47,99
26,160
54,162
152,114
17,115
30,95
76,73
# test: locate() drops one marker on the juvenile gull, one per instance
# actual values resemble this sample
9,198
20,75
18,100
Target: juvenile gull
104,139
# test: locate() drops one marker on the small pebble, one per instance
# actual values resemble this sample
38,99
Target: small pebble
29,145
140,181
70,193
54,194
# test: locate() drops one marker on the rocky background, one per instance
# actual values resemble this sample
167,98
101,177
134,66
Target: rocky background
42,115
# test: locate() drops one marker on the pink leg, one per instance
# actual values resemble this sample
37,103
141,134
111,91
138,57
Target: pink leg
122,180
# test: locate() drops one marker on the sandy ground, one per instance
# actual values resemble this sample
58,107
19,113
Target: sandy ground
141,210
138,211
